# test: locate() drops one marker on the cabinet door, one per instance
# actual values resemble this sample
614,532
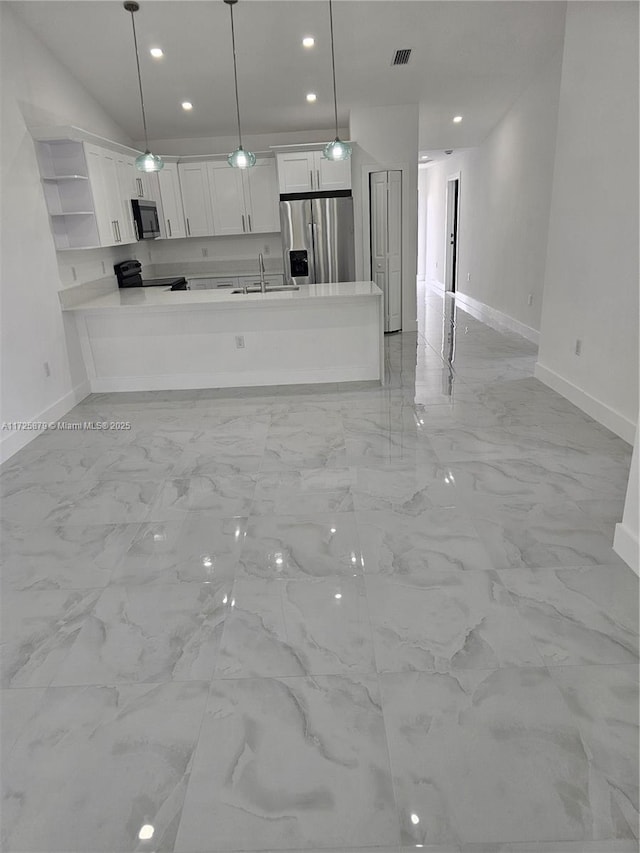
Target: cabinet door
261,197
171,202
331,174
103,176
196,199
227,200
125,170
296,172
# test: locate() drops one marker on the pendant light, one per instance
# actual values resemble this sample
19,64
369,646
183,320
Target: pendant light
239,159
336,150
146,162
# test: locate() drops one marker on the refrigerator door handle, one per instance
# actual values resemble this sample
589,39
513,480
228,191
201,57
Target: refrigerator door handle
311,228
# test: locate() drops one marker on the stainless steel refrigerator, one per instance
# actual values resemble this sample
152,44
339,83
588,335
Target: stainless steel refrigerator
317,239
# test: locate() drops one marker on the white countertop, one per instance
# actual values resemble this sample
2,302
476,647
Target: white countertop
159,297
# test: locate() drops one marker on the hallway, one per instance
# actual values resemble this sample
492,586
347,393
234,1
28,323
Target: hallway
339,619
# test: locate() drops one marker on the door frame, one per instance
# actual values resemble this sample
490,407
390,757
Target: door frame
452,286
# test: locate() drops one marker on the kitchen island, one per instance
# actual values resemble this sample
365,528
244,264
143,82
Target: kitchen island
143,339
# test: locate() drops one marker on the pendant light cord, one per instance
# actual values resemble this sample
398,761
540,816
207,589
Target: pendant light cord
333,67
144,117
235,74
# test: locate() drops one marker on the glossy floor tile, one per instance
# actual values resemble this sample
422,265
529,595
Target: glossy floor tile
340,618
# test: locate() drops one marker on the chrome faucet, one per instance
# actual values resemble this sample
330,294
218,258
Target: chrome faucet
263,283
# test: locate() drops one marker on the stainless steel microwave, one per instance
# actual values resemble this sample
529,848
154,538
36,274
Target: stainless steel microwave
145,218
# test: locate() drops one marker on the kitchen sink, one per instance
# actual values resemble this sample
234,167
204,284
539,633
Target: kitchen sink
269,289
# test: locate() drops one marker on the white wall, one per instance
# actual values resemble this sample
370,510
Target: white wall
626,541
36,90
591,280
505,198
387,138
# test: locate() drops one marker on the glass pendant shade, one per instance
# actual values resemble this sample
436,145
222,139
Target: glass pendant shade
149,162
337,150
241,159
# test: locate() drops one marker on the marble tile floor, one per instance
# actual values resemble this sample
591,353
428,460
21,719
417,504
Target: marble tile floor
326,618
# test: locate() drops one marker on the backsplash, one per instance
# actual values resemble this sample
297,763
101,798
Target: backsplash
220,254
202,249
78,267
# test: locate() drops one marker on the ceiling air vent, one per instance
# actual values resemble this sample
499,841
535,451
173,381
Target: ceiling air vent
402,57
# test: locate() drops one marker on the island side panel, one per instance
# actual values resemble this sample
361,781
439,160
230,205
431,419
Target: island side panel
334,340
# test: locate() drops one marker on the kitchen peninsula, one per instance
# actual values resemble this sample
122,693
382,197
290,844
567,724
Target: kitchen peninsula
142,339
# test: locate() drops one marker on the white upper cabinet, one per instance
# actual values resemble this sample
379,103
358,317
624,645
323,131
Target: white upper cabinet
173,224
227,199
244,201
103,175
309,171
125,170
261,197
196,199
332,174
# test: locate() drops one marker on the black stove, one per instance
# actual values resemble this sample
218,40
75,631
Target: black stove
129,274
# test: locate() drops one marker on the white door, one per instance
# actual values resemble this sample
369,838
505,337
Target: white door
296,172
196,199
171,201
332,174
261,197
227,199
386,243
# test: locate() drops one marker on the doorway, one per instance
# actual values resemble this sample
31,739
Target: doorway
451,231
385,194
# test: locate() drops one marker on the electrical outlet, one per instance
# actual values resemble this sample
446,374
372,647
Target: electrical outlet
530,299
73,273
468,276
239,341
205,253
47,369
578,347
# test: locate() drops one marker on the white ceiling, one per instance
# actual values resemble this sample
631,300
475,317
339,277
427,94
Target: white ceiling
470,58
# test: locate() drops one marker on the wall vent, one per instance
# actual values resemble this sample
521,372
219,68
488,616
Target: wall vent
402,56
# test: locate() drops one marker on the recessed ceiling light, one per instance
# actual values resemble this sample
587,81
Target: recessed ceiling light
308,41
312,97
425,157
187,105
156,52
457,119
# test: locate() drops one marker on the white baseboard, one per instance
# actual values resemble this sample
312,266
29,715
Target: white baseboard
626,545
13,441
605,415
435,284
494,318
